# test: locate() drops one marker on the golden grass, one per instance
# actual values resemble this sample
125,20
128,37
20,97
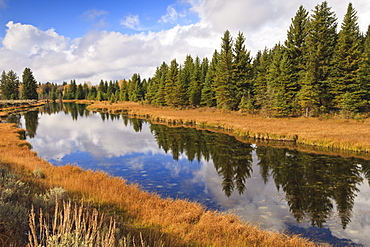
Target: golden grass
341,134
186,223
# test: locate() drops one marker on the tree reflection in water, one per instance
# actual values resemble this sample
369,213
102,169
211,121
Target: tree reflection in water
313,184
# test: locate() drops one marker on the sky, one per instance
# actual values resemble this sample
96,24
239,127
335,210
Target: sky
91,40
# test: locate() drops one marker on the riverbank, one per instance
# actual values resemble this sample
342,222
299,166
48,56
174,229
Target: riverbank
341,134
163,222
11,106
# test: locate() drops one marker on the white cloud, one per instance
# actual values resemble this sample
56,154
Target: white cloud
171,15
131,22
100,54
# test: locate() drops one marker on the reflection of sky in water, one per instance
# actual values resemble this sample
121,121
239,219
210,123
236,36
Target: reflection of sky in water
111,146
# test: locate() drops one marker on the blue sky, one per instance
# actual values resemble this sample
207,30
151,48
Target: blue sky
93,40
76,18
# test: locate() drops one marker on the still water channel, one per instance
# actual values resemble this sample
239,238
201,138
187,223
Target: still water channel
323,197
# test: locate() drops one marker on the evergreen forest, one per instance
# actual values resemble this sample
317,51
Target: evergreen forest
321,68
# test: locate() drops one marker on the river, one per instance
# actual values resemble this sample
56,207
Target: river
323,197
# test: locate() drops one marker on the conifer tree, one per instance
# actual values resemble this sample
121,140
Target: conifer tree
348,58
295,46
3,84
365,70
296,41
280,90
135,92
208,94
321,42
80,92
153,86
181,90
195,84
161,93
11,87
171,82
187,74
261,65
123,94
225,87
242,69
29,90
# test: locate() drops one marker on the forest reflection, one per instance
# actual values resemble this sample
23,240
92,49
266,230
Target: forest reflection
316,186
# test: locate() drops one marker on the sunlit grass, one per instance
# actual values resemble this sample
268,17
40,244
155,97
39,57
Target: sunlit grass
159,222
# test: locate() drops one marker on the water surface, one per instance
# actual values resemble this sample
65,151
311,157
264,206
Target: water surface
323,197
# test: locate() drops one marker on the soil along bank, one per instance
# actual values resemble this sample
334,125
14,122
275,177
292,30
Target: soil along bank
331,133
170,222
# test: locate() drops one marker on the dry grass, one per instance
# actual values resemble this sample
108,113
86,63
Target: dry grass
331,133
173,222
72,225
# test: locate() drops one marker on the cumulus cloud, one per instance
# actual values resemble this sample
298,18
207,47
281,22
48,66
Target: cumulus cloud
99,54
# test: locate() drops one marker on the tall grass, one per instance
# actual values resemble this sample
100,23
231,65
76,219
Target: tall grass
72,225
158,221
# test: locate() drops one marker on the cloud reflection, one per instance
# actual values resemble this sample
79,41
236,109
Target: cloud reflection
92,135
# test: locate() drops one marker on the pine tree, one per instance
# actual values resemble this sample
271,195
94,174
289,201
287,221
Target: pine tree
29,90
161,93
321,42
225,87
365,70
242,68
181,90
261,65
80,92
280,88
153,86
295,49
11,88
123,94
296,41
135,91
171,81
208,94
3,85
348,58
195,84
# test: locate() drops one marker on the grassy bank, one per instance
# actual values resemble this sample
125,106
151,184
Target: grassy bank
340,134
158,221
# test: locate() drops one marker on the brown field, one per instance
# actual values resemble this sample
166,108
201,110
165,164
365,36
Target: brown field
342,134
165,222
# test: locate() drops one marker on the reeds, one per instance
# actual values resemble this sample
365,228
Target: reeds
72,225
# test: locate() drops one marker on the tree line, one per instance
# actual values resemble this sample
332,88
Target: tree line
316,70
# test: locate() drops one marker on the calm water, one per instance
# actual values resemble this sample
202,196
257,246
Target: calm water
323,197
